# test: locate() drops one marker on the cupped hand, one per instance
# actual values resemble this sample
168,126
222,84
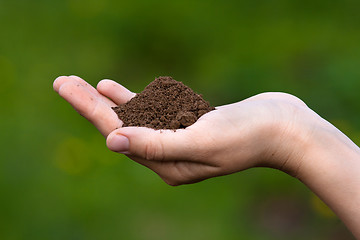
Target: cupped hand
234,137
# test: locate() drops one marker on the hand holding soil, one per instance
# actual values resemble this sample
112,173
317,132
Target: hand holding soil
274,130
229,139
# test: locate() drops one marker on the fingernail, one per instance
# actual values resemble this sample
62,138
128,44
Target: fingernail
118,143
57,83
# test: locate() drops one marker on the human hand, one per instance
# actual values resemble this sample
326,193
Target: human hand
271,129
231,138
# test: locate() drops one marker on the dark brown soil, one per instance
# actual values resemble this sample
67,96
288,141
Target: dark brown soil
164,104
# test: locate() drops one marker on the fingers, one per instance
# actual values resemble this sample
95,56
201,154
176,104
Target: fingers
160,145
115,91
75,79
87,102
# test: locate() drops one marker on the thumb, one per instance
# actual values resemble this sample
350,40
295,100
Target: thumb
154,145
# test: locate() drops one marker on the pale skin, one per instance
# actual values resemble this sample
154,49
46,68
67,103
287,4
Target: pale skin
275,130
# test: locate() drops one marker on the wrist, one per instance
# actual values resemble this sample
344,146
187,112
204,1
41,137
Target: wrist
330,167
329,155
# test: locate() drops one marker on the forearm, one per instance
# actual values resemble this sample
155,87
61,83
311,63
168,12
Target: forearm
331,169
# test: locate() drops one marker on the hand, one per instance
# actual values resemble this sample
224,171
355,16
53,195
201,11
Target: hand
271,129
229,139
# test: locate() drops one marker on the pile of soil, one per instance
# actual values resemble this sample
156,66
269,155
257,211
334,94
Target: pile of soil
164,104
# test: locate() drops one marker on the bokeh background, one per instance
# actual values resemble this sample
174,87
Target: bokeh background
58,180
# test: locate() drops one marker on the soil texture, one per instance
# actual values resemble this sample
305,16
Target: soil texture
164,104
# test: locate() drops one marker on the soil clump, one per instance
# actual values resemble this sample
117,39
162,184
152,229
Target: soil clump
164,104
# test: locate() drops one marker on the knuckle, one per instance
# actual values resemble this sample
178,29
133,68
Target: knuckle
154,151
95,111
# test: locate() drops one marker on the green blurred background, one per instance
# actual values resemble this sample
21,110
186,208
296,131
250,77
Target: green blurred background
58,180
